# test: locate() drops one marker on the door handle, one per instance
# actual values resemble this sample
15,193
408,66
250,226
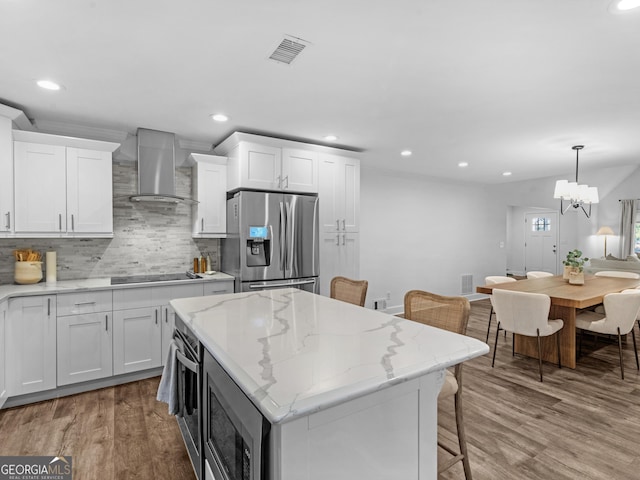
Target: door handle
60,221
106,323
202,227
279,180
344,241
337,224
156,310
48,307
8,220
166,315
287,180
344,224
283,232
337,239
73,224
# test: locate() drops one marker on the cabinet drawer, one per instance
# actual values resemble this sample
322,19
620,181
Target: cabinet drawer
84,302
162,295
124,298
218,288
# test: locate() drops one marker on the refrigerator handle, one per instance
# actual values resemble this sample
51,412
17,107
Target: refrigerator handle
283,241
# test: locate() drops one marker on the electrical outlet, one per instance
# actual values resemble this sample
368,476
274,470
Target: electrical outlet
380,304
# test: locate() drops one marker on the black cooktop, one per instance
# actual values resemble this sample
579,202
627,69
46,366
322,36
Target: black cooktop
162,277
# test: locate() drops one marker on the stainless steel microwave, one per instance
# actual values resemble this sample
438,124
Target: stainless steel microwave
236,435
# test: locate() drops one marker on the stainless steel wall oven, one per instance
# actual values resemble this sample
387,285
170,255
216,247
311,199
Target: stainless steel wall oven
236,435
189,380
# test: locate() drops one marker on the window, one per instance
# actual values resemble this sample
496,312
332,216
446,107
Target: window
544,225
637,244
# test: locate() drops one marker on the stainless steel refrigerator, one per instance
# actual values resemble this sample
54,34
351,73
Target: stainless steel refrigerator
272,241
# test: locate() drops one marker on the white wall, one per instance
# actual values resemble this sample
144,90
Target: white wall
423,233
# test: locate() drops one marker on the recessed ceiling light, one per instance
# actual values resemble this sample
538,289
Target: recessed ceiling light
627,4
463,164
330,138
219,117
48,85
406,153
506,174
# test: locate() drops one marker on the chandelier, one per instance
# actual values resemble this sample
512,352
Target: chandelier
575,194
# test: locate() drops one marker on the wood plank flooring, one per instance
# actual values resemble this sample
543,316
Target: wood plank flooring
116,433
578,424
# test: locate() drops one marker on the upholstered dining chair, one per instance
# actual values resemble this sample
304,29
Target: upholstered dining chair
538,274
348,290
492,280
525,313
448,313
617,274
621,311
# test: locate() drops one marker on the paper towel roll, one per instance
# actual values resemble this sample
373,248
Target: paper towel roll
51,267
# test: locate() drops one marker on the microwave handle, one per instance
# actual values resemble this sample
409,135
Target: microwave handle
193,366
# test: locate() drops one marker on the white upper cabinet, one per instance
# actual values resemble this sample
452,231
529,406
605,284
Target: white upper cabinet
6,177
263,163
339,192
61,188
299,170
209,184
89,191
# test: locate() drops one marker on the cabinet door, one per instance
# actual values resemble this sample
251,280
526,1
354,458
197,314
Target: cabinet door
137,336
299,170
3,382
168,322
40,188
349,196
85,349
89,191
31,344
210,214
6,177
260,166
339,255
329,188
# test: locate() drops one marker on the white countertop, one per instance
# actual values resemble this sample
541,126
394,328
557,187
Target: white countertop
68,286
293,352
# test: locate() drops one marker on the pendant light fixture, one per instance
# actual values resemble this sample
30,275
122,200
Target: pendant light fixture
575,194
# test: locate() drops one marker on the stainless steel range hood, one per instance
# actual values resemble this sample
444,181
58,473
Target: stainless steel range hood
157,168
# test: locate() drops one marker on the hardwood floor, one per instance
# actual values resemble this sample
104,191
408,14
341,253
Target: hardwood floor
578,424
116,433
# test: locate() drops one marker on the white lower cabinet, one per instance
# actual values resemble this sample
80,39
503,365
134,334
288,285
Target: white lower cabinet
339,256
137,335
3,383
85,350
31,344
161,297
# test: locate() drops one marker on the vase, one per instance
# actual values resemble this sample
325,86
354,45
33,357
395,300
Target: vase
576,278
567,271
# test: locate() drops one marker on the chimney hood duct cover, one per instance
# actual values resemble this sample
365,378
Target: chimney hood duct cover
157,168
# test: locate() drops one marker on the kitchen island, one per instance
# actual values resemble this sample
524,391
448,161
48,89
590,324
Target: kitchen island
349,392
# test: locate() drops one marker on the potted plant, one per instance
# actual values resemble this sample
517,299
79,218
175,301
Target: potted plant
573,267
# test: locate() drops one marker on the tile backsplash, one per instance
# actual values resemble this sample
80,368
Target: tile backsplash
149,237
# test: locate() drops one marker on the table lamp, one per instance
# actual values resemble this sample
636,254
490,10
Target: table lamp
605,231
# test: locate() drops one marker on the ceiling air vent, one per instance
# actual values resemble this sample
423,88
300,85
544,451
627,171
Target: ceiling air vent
288,50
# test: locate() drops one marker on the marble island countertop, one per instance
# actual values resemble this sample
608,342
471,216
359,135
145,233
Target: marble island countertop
294,353
68,286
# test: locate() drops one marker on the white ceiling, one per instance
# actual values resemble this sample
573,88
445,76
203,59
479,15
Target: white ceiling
501,84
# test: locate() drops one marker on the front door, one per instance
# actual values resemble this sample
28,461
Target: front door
541,241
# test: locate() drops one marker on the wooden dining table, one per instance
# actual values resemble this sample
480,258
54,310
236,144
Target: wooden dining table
566,301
